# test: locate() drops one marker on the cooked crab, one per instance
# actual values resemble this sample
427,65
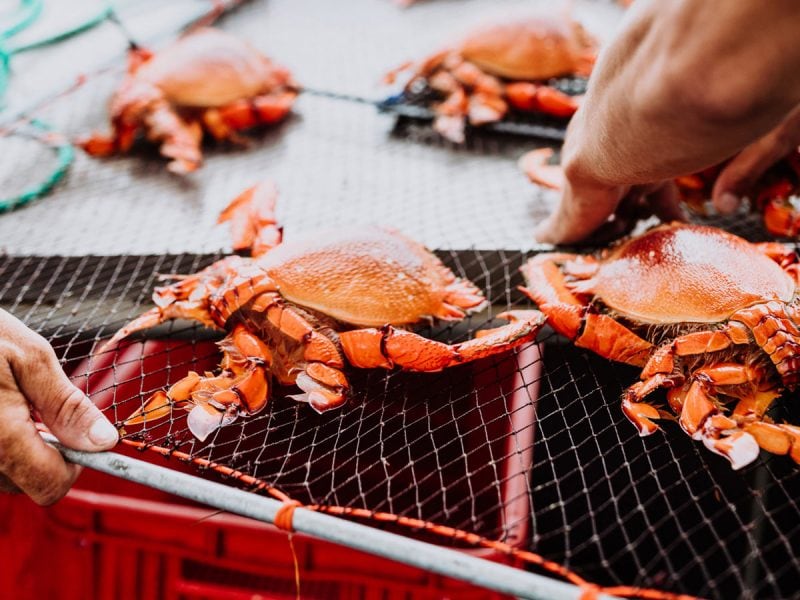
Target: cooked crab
500,66
299,312
776,195
207,80
709,316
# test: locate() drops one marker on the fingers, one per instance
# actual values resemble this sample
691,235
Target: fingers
26,461
741,174
35,370
580,212
602,218
666,203
7,486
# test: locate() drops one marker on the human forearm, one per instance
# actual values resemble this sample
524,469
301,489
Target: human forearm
683,86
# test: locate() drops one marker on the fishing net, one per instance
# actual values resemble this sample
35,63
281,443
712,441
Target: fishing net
523,453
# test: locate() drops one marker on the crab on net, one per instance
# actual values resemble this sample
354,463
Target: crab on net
451,423
208,81
501,69
516,453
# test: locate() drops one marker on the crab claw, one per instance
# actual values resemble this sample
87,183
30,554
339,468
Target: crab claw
739,447
205,418
641,415
776,438
157,407
320,397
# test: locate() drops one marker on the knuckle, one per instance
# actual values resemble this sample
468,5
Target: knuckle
51,492
40,350
72,407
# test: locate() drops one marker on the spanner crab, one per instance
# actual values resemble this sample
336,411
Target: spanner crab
299,312
501,66
206,81
708,316
776,195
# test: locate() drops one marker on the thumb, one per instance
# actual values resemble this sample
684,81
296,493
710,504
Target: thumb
69,414
582,210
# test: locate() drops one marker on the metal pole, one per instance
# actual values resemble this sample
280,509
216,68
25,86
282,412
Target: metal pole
443,561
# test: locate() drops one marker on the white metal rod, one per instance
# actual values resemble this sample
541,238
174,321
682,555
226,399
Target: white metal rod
443,561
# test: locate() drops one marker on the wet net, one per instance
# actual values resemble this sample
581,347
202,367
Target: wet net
529,449
527,452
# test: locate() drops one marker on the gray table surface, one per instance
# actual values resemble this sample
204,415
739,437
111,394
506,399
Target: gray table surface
335,162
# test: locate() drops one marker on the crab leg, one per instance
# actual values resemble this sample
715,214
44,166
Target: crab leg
700,413
214,401
224,122
537,166
194,310
188,298
451,116
573,319
389,347
530,97
124,130
254,225
776,334
781,218
322,381
180,140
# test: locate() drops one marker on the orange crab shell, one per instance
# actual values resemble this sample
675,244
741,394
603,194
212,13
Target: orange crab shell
710,318
210,68
686,274
531,49
368,276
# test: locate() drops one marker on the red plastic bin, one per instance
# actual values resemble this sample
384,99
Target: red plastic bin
130,542
110,538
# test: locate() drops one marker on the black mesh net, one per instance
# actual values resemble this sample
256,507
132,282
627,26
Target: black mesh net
530,448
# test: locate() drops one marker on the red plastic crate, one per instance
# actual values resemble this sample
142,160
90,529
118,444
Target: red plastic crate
114,539
130,542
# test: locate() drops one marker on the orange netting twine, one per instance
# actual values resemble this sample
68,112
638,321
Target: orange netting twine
283,520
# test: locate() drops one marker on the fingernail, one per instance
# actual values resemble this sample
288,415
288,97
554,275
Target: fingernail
727,203
102,433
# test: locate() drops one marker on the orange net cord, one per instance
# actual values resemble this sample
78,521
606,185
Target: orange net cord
283,520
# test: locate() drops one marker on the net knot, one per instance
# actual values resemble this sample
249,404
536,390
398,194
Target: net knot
590,591
284,515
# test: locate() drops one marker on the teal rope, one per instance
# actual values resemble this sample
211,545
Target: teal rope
29,12
93,21
5,68
65,154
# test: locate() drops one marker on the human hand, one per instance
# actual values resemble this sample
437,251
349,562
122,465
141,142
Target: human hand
31,377
741,174
596,213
